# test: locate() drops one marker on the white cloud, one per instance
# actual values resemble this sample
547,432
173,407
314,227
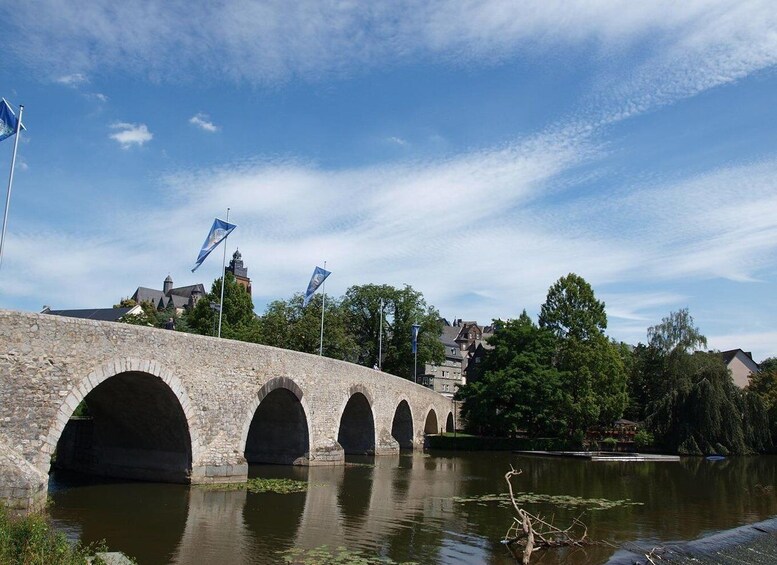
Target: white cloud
397,141
482,235
203,122
72,80
100,97
131,134
696,44
761,344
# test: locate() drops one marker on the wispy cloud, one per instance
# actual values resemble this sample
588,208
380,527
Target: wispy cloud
203,122
131,134
490,217
271,42
761,344
72,80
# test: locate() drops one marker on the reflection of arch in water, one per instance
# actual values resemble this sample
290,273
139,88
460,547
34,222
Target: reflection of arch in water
356,434
142,519
137,426
354,494
402,426
449,425
278,429
269,536
430,426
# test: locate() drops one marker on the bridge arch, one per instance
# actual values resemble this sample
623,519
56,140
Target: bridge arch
142,426
356,433
430,424
450,425
402,424
277,427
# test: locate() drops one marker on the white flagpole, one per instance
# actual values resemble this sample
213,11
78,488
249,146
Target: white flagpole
323,304
223,277
380,338
10,181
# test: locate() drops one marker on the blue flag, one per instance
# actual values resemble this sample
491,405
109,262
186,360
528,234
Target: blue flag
416,329
319,276
8,120
218,233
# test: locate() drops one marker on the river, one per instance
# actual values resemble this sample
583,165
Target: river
430,508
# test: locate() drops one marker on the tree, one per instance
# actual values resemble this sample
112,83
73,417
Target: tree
238,319
763,383
593,376
644,381
520,389
150,316
676,332
710,414
690,401
572,311
402,308
289,325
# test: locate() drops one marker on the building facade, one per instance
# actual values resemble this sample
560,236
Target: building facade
465,345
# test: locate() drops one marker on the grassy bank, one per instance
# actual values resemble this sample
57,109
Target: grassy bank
31,540
465,442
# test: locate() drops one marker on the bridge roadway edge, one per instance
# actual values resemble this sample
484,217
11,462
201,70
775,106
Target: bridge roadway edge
48,364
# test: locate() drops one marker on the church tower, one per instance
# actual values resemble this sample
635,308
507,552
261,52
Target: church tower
167,286
239,271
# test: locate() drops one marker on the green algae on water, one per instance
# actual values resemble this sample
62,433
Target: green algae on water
278,486
558,500
325,555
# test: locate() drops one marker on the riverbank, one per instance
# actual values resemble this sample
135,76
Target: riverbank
31,540
466,442
754,543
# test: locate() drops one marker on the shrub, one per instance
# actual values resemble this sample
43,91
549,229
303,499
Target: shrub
31,540
610,443
643,439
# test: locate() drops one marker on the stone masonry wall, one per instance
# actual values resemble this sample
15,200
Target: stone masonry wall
48,364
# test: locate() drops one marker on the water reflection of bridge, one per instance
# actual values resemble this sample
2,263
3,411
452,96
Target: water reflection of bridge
356,507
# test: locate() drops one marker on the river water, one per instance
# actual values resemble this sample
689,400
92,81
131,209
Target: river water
430,508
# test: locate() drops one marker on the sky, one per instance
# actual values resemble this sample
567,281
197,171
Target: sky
475,150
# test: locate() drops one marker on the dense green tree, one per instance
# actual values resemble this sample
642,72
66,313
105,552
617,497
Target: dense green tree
676,333
645,377
289,325
402,308
593,375
520,389
238,320
572,311
690,401
707,413
764,384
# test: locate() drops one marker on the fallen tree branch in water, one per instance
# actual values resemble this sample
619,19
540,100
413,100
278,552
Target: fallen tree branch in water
533,533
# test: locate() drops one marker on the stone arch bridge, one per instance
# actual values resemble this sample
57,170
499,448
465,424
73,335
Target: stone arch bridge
171,406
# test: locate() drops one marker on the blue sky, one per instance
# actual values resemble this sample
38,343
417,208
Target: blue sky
477,151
